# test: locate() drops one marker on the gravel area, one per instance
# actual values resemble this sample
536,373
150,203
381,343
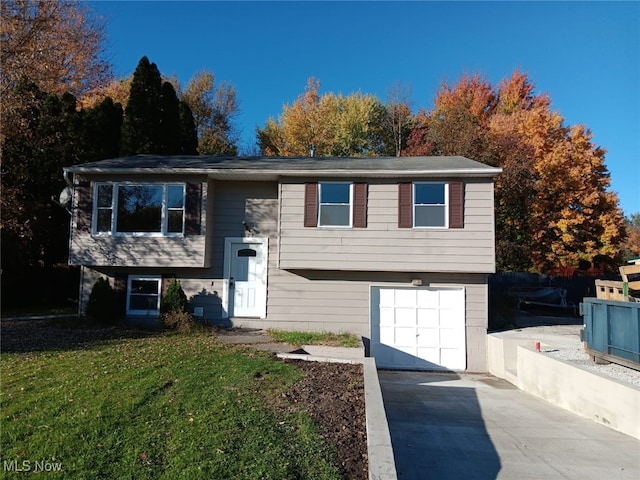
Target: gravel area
559,337
580,358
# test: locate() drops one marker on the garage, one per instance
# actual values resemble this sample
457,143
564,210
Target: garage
420,328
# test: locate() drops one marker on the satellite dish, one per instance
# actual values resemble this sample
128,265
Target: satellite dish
65,197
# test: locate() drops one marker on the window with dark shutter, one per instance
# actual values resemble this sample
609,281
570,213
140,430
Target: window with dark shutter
405,205
456,205
311,204
360,205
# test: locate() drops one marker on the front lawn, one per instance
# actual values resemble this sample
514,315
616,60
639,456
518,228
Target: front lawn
164,406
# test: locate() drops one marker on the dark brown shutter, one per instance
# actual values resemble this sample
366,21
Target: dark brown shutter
120,291
360,205
84,209
405,205
311,204
193,208
456,205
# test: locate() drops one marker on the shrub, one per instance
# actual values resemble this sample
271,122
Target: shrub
174,299
101,305
174,309
178,320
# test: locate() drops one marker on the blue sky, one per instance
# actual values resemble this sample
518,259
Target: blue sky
585,55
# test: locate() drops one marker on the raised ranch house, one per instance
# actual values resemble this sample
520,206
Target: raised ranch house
396,250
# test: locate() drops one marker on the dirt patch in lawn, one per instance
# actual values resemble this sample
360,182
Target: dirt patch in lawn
333,394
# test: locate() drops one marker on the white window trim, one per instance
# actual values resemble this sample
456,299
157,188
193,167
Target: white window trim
350,204
114,210
446,206
131,278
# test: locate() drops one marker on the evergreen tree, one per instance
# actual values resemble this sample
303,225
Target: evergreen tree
169,127
140,129
154,121
174,299
188,132
102,125
101,304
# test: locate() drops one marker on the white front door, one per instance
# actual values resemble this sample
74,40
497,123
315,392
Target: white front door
246,272
418,328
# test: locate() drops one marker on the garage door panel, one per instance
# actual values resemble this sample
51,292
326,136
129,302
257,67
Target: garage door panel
405,317
418,327
452,359
428,298
405,337
405,298
387,297
449,338
387,316
450,299
428,318
428,337
387,336
431,355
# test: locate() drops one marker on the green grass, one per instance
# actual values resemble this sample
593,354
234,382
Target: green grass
316,338
165,407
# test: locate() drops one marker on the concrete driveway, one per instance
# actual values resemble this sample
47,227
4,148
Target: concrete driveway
467,426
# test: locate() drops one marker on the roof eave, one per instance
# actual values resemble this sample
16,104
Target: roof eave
227,173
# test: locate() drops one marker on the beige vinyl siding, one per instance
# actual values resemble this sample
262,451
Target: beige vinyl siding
382,246
334,301
256,204
186,251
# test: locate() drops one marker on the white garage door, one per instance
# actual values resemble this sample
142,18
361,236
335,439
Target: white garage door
418,328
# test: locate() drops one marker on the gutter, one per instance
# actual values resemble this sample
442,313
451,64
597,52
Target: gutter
275,174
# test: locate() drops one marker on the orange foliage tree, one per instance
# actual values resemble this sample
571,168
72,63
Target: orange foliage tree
553,206
333,124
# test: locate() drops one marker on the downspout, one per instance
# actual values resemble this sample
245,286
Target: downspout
65,175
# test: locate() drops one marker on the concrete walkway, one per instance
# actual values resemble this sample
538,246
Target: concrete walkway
466,426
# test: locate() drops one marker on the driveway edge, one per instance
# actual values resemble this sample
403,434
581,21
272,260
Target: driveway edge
382,465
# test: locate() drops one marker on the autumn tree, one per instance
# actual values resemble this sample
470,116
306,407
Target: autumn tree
631,244
332,124
56,44
553,206
574,216
214,108
399,118
117,90
45,134
417,142
457,125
